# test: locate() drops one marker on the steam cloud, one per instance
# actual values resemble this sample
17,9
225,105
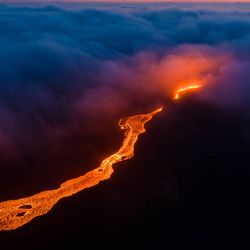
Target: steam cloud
64,68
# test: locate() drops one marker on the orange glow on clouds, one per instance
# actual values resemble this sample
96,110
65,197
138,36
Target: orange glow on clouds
187,67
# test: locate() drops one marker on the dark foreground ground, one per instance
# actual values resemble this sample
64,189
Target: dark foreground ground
188,186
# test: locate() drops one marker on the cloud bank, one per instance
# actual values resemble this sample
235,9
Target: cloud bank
64,68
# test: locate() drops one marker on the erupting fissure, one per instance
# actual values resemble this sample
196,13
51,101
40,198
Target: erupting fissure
16,213
186,89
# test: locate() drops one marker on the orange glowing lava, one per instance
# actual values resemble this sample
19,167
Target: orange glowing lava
16,213
186,89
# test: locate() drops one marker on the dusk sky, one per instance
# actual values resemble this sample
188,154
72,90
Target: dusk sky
129,1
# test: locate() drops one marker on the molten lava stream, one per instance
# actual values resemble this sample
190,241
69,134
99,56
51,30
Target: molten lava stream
16,213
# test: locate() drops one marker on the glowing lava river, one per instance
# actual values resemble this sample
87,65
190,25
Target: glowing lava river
16,213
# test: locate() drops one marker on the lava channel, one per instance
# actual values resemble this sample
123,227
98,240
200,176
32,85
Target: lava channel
16,213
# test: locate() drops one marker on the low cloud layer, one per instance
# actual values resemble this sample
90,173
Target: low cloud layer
63,68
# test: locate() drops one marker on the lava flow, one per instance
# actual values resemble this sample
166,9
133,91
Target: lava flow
186,89
16,213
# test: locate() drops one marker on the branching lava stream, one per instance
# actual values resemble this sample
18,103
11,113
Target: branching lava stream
16,213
